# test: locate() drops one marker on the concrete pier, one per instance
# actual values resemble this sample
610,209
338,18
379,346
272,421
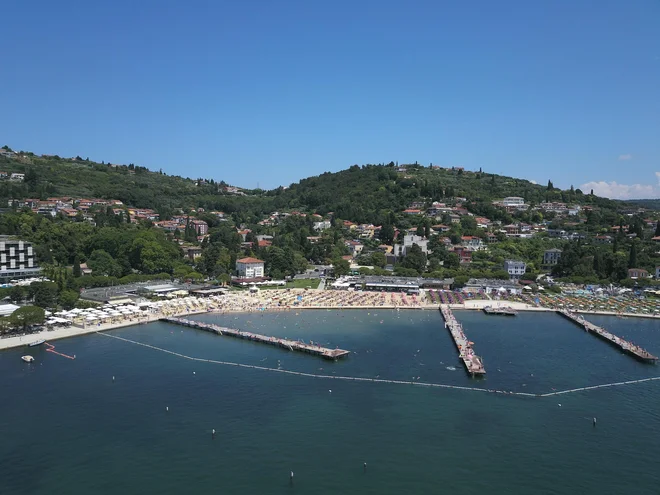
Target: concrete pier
503,311
291,345
627,347
472,362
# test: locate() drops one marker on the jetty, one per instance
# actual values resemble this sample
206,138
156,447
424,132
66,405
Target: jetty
505,311
473,363
627,347
291,345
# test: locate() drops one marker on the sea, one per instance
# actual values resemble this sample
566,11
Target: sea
129,419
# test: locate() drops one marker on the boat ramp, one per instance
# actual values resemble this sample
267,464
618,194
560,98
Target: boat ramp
473,363
627,347
291,345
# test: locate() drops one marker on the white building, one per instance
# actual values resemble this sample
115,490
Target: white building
250,268
322,225
17,177
17,259
400,250
513,201
515,269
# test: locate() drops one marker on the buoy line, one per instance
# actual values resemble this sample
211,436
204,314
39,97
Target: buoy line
382,380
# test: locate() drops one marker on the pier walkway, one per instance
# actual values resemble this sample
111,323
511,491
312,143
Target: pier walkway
472,362
291,345
627,347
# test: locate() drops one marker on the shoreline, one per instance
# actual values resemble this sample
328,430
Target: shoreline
478,305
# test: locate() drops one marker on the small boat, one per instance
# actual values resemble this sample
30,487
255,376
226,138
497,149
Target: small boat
36,343
27,359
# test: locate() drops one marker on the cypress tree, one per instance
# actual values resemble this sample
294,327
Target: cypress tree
632,260
77,272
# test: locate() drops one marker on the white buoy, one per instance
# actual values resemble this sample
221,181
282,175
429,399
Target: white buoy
365,466
559,405
594,421
113,378
330,391
167,408
291,476
193,372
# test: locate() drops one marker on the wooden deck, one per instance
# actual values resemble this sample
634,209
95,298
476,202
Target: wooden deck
291,345
490,310
627,347
473,363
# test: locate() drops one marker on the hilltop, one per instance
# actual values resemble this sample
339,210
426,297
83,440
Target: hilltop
365,193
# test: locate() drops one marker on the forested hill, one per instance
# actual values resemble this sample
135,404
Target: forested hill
362,194
650,204
369,193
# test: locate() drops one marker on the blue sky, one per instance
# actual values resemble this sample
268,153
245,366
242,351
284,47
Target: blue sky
265,93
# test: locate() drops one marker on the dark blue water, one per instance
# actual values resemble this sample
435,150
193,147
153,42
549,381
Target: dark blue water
66,427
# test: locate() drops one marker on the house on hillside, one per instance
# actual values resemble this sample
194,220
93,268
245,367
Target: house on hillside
551,256
637,273
471,242
354,247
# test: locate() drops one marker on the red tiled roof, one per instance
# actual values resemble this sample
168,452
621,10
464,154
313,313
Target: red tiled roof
249,260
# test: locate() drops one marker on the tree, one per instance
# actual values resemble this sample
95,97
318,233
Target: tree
45,294
550,185
31,179
657,229
378,259
386,233
16,294
341,267
101,263
77,272
195,276
68,298
632,260
27,316
415,259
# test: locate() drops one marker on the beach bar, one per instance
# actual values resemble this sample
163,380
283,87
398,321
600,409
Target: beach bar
627,347
291,345
473,363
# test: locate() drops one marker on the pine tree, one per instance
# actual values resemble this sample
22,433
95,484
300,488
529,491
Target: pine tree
550,185
657,229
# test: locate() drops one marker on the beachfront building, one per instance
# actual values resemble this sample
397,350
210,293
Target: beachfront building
491,286
551,256
515,269
250,268
17,260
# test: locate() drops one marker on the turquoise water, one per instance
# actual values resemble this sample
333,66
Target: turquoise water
66,427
